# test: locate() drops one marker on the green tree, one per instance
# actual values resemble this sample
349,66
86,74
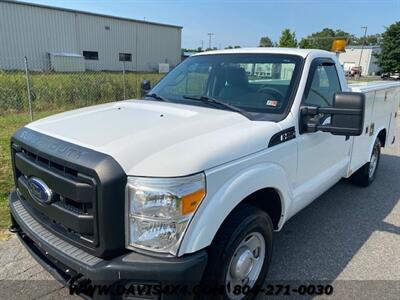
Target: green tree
232,47
323,39
306,43
389,57
288,39
191,50
266,42
369,40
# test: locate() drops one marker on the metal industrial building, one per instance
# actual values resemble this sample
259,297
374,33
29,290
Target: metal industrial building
360,56
68,40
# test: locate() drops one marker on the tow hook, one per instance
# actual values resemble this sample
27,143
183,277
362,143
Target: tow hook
14,227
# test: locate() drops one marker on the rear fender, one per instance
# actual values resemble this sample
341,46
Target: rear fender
371,147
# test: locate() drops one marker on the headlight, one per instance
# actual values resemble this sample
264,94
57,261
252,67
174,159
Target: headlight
159,210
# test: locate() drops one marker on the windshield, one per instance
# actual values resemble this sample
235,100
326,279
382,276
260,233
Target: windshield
256,83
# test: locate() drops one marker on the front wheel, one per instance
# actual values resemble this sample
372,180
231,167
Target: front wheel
367,173
240,254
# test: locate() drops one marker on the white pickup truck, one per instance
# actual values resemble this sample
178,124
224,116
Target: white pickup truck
189,183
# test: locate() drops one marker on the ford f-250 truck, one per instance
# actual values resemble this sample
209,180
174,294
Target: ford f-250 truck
189,183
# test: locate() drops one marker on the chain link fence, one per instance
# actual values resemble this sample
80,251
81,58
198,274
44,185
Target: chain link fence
60,87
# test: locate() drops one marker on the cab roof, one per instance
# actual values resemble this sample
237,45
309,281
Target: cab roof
273,50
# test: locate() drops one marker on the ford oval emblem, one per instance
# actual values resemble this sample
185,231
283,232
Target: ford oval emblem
39,191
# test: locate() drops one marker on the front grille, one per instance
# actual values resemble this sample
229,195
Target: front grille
87,205
72,212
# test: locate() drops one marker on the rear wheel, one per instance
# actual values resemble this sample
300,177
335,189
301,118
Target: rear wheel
367,173
240,254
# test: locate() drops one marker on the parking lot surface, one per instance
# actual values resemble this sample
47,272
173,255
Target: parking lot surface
349,238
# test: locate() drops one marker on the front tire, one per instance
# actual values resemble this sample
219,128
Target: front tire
240,254
367,173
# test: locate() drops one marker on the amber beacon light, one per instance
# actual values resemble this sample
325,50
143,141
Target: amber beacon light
339,45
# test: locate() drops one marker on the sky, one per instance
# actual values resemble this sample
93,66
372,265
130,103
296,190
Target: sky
241,22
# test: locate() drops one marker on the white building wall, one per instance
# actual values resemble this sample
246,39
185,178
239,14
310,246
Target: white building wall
373,66
368,61
65,63
157,45
35,31
120,38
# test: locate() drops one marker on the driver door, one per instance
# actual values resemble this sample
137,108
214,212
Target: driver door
323,157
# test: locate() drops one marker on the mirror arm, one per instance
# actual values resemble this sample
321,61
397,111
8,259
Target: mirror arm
333,130
309,110
340,111
328,128
314,110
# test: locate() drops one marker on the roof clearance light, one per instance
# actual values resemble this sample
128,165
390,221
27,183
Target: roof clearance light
339,45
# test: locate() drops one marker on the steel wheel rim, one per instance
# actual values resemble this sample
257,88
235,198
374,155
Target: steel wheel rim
246,264
374,162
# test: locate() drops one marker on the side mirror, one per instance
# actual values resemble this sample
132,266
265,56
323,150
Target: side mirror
347,115
145,87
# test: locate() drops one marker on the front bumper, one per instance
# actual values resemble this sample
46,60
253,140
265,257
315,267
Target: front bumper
69,264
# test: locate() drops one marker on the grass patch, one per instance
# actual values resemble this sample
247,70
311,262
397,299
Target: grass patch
8,125
55,90
5,235
4,214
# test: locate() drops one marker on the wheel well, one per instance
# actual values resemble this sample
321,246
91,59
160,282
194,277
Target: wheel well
268,200
382,137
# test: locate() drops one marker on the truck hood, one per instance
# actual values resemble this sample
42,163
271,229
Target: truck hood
149,138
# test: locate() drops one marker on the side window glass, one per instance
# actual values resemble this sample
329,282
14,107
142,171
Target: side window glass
324,84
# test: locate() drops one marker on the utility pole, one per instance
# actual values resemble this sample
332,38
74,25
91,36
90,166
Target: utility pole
202,44
210,34
362,45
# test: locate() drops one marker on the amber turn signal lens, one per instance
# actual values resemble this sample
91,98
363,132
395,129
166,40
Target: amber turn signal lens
191,201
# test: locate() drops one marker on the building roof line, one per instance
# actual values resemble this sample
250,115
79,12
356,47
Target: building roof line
364,47
89,13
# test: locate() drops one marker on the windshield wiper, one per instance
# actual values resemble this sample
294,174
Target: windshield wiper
157,97
211,100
